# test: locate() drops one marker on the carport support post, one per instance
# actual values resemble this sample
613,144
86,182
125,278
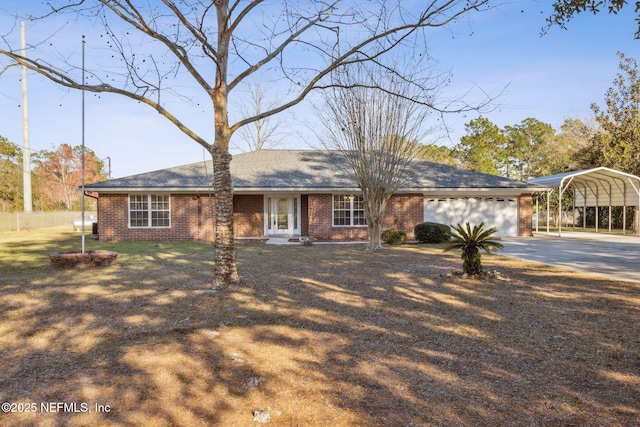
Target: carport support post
624,209
548,208
561,191
584,210
560,211
597,209
537,212
637,219
573,211
637,214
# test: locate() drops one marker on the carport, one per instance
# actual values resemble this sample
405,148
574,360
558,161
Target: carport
598,187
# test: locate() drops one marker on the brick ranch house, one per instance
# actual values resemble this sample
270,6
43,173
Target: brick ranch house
302,193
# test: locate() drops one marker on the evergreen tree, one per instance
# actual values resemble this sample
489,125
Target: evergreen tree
618,147
10,176
527,145
483,148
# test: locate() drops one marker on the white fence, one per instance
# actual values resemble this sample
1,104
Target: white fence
13,221
540,219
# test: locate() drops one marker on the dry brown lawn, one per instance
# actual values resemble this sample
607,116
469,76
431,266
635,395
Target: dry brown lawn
326,335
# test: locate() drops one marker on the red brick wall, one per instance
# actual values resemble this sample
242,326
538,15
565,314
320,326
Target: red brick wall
204,221
304,219
404,211
113,216
525,215
320,211
248,215
320,214
192,218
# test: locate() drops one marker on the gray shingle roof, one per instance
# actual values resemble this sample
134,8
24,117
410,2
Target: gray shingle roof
300,170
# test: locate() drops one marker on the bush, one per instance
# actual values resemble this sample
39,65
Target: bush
470,241
431,232
394,236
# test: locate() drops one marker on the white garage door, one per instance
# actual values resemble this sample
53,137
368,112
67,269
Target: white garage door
499,212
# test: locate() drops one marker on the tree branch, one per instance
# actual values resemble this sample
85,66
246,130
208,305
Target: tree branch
64,80
134,18
356,54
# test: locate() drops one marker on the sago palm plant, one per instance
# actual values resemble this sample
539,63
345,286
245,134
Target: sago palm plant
470,241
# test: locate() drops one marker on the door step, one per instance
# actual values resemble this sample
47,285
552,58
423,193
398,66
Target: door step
283,241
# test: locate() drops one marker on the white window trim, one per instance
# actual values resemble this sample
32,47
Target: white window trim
149,211
351,210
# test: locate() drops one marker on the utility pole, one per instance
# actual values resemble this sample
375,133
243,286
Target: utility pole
26,153
109,160
82,188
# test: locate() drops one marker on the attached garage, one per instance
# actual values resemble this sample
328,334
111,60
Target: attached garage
496,211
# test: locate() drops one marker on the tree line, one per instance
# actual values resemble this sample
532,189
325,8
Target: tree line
532,148
56,176
521,151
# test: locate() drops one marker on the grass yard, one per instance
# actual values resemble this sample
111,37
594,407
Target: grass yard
325,335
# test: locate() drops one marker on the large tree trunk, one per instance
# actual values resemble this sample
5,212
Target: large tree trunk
375,232
226,272
375,205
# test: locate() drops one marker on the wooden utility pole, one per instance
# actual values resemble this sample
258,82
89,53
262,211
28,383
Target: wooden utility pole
26,154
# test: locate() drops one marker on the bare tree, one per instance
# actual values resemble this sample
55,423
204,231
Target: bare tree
263,133
221,45
375,120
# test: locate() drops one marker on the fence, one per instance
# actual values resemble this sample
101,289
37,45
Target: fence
12,221
540,219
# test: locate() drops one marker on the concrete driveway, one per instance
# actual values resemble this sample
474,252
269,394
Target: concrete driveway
613,256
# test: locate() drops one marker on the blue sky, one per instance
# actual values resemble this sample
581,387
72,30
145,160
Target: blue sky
550,78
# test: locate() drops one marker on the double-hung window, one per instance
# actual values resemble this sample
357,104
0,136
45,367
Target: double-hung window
348,210
149,211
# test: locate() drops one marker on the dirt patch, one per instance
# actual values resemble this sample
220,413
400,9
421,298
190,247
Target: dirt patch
79,259
320,336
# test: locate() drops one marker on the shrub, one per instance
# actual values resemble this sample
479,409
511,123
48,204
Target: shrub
394,236
431,232
470,241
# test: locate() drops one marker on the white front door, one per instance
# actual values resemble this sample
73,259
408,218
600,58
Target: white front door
281,215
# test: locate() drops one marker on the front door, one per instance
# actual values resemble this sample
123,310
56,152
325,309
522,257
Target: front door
281,215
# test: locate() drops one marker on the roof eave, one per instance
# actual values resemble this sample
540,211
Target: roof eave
150,189
318,190
480,190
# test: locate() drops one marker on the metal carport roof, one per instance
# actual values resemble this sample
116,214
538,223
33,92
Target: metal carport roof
596,187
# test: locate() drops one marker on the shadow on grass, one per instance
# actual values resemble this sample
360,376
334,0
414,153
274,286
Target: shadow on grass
321,335
402,345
